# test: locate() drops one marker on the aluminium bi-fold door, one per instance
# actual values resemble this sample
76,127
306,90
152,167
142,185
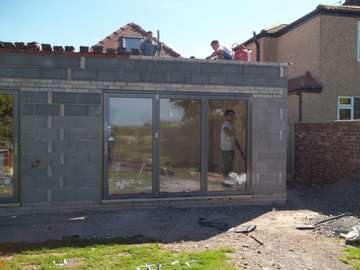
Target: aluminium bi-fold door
129,145
9,184
163,145
180,146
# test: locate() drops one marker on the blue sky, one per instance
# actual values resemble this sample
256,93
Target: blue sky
186,26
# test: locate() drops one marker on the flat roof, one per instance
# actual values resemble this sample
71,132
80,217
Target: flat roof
92,54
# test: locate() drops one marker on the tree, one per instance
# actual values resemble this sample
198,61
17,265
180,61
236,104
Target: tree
6,117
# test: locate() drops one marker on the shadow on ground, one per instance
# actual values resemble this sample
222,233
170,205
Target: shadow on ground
165,225
329,199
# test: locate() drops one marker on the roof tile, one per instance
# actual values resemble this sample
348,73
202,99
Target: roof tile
111,41
305,83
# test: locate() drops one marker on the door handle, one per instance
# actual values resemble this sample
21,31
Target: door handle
16,149
105,148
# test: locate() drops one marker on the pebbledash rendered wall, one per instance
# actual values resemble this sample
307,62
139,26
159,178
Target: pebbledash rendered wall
61,116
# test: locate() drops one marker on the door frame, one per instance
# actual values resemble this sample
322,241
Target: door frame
16,159
106,194
248,107
202,191
156,96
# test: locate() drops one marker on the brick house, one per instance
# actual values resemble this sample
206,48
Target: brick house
323,49
130,37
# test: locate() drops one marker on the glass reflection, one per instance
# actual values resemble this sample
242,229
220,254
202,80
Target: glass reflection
130,146
180,128
6,146
227,145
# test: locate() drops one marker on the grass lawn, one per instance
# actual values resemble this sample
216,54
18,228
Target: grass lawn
92,254
352,257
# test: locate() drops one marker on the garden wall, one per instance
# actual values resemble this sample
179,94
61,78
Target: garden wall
326,152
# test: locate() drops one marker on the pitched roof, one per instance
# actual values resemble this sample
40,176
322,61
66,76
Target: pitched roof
352,3
271,30
344,10
113,38
276,28
305,83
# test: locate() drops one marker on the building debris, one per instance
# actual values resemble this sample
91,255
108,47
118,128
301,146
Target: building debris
313,226
172,264
243,229
353,235
77,218
256,240
65,262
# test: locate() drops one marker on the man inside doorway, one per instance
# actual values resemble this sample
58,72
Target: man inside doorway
229,143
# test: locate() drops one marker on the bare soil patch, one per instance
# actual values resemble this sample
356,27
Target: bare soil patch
284,246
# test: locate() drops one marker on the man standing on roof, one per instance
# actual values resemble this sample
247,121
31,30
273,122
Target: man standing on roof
220,52
149,47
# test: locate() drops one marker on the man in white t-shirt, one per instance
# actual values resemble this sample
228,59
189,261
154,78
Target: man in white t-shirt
228,143
220,52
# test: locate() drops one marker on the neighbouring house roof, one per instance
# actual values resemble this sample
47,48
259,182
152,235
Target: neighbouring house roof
275,29
352,3
271,30
111,41
344,10
304,83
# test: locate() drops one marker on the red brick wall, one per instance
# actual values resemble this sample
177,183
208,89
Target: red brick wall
326,152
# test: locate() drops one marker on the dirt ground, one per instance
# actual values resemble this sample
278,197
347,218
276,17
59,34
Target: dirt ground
275,244
283,247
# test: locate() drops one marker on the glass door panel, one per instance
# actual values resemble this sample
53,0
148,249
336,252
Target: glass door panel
180,148
129,161
227,145
154,145
7,146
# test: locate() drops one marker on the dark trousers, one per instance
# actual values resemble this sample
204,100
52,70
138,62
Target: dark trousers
228,162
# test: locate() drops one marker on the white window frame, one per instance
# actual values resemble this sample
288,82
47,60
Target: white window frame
130,37
346,107
358,41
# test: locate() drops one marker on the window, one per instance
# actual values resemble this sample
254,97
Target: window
358,47
348,108
356,112
8,147
131,43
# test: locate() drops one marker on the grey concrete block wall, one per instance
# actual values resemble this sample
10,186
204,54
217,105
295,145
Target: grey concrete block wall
139,69
61,122
60,158
269,140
